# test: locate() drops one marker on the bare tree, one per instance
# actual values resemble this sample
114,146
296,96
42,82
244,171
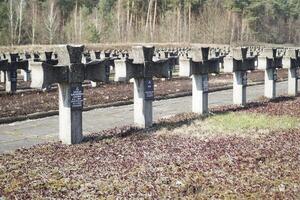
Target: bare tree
34,16
190,21
119,18
11,22
51,21
154,20
80,24
213,22
75,20
20,19
148,19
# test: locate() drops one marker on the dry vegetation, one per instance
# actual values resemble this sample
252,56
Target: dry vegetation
241,154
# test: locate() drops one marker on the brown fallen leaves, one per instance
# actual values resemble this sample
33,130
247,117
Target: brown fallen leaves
280,106
130,163
151,166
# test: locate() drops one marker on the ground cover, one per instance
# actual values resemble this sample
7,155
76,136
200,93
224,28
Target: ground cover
251,152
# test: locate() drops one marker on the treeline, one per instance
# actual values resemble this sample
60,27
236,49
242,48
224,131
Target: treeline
107,21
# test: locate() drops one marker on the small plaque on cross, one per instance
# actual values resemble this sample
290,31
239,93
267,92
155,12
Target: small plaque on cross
77,98
275,75
13,76
244,79
149,89
205,84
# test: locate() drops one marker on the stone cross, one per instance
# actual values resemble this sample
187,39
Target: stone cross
70,73
269,61
3,69
142,69
94,56
14,63
199,66
291,61
238,63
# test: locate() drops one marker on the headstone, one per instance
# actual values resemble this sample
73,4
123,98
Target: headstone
142,68
239,63
270,62
198,67
291,61
69,73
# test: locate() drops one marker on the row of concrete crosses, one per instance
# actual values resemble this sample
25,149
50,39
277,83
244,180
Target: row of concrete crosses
142,66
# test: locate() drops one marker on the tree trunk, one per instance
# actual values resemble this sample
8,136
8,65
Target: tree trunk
232,28
80,25
129,32
119,19
190,19
11,16
128,18
33,21
290,30
20,20
129,25
96,18
178,25
75,20
154,20
51,23
148,18
185,21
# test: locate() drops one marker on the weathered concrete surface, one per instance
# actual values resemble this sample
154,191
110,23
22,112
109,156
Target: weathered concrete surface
240,87
200,94
270,83
31,132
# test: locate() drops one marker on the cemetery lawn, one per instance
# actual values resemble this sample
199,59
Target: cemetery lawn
236,153
26,103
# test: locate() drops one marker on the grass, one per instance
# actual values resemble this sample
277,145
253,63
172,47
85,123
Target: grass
246,121
241,124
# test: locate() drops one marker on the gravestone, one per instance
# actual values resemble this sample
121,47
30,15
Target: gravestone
69,73
291,61
14,63
238,63
269,61
142,69
3,69
199,66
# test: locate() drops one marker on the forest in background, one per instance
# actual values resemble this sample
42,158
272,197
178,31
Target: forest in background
125,21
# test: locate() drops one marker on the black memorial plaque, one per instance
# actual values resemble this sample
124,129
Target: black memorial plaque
149,89
107,72
77,98
13,76
275,75
244,78
205,84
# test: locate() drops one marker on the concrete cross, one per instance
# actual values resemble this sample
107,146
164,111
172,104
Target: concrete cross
198,67
142,69
291,61
270,61
70,73
14,63
3,69
238,63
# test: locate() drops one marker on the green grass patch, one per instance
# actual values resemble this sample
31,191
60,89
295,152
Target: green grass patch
239,123
250,121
